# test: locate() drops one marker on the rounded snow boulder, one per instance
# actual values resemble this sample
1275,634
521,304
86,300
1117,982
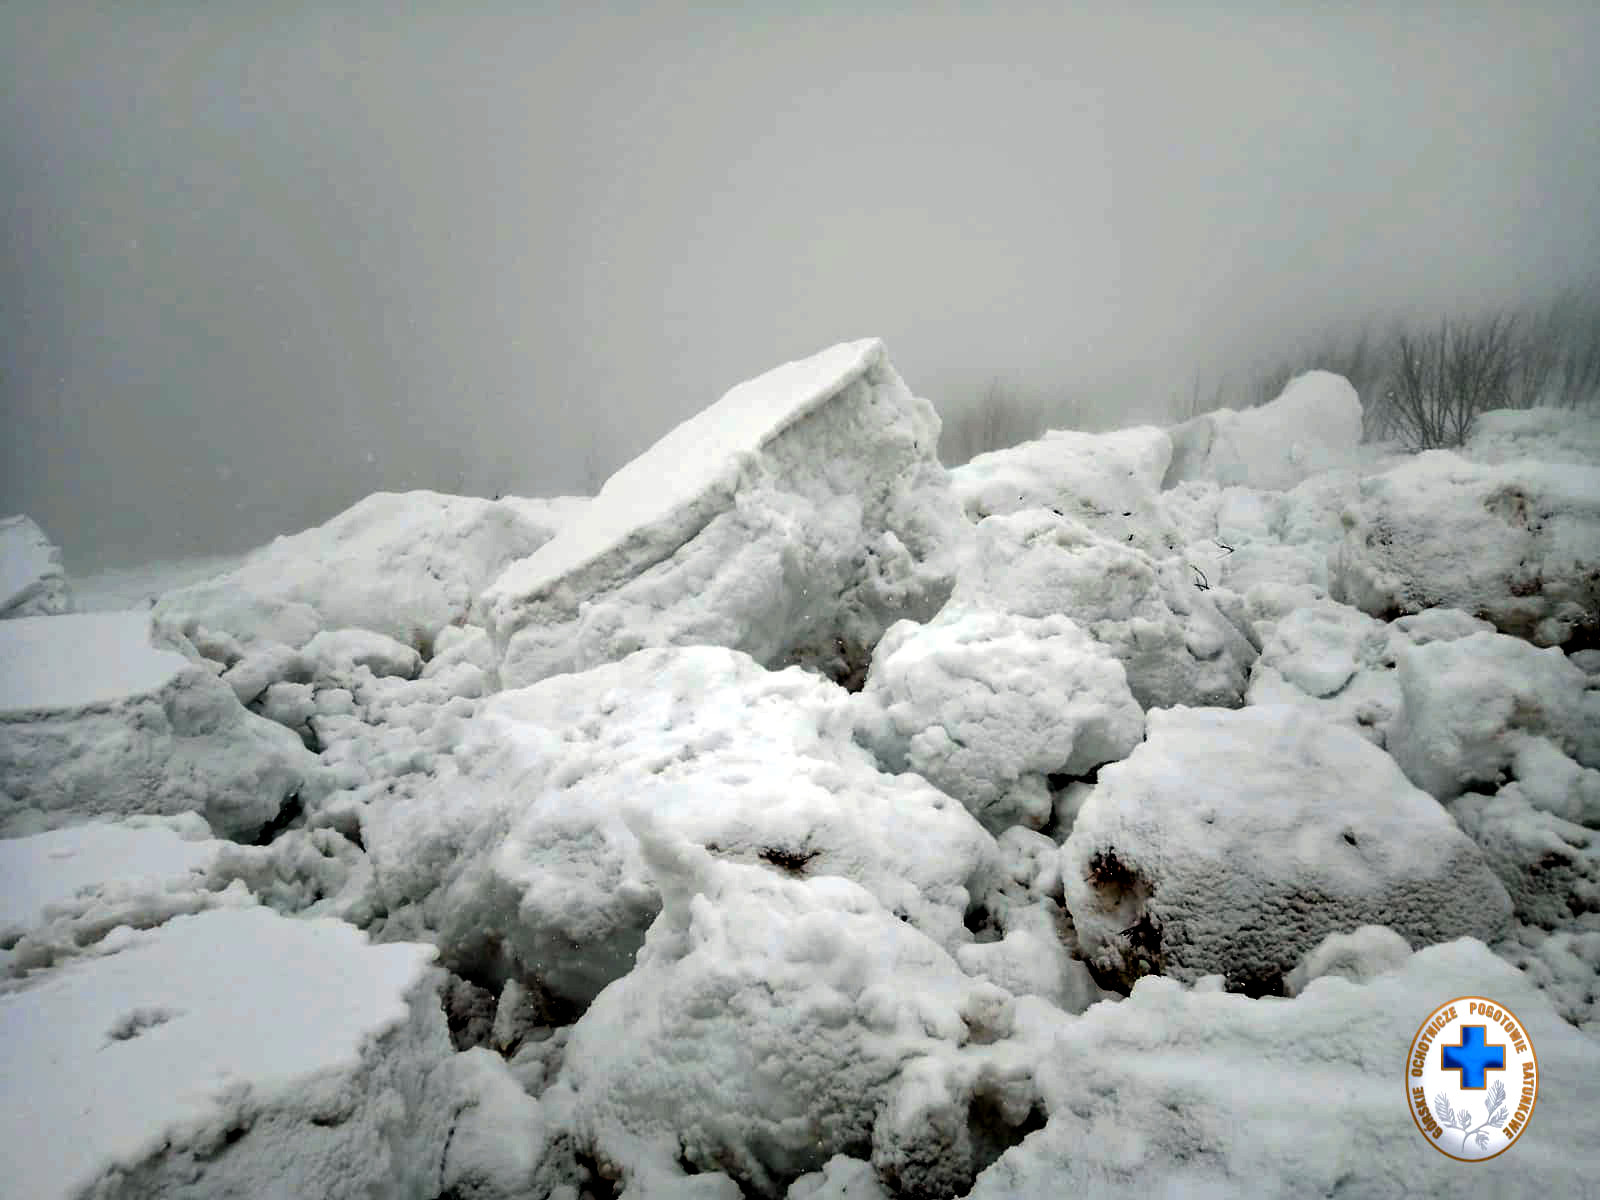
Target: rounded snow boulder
1232,842
987,705
1516,544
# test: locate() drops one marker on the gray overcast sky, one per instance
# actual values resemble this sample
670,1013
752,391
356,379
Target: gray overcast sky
262,259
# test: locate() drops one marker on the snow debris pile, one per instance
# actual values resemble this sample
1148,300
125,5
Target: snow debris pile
795,519
33,582
1517,544
406,565
518,860
94,720
1173,641
1107,481
1313,426
1232,842
797,819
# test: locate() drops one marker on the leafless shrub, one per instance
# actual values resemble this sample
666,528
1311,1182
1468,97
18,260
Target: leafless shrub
1441,381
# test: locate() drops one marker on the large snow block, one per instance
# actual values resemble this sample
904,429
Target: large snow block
234,1053
1152,614
795,519
1517,544
1551,435
772,1023
1177,1092
520,861
96,721
988,705
1232,842
33,582
1470,707
1108,481
1313,426
405,564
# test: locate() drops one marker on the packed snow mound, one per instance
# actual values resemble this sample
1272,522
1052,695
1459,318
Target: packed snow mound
1517,544
1551,435
1108,481
1178,1092
1340,663
33,582
772,1023
986,705
1469,707
795,519
1232,842
1175,644
405,564
227,1053
520,863
1313,426
63,892
95,721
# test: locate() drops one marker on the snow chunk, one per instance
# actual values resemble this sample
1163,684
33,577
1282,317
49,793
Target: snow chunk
1469,706
795,519
93,720
294,1045
33,582
986,705
522,863
334,655
1550,866
1359,956
767,1025
1107,481
1175,644
404,564
1233,842
1516,544
1178,1092
1313,426
1551,435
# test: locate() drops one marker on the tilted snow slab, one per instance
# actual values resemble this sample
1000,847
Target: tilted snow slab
523,866
33,582
405,564
1517,544
1470,707
987,705
795,519
1232,842
1171,638
1313,426
94,721
1108,481
234,1053
63,891
1195,1093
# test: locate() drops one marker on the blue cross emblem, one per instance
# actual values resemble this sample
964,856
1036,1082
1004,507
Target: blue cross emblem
1472,1057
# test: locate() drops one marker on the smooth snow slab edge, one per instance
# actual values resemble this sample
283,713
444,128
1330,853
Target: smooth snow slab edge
78,659
695,458
100,1060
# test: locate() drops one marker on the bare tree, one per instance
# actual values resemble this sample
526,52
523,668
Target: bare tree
1001,417
1443,380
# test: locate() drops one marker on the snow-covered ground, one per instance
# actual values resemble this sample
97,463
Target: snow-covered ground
800,819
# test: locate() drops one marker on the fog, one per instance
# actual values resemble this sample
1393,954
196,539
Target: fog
264,259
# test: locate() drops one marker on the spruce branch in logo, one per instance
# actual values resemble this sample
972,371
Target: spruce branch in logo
1451,1119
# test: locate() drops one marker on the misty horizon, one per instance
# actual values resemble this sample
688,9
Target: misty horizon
266,261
